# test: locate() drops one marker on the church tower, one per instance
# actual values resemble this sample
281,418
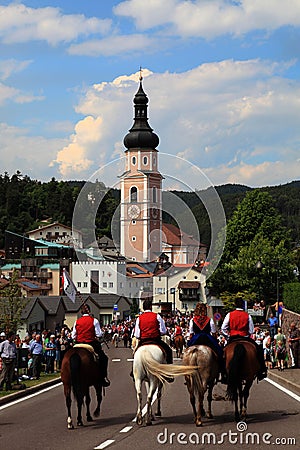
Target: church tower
141,188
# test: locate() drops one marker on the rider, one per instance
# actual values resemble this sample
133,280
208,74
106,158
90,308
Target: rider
239,324
203,332
86,330
149,328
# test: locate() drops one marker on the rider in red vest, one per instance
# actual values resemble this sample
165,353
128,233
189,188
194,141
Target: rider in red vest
239,324
178,330
86,330
149,328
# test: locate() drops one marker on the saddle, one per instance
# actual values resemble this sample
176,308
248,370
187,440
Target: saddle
90,348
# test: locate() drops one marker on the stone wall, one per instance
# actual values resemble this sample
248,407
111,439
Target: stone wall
286,319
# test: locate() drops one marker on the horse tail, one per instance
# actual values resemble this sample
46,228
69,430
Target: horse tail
195,378
234,370
165,371
75,364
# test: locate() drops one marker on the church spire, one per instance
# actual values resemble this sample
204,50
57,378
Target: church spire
141,134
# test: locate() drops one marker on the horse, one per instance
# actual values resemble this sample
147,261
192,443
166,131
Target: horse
149,365
115,340
205,378
242,367
79,371
179,344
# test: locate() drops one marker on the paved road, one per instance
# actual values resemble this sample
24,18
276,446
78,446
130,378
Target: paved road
40,421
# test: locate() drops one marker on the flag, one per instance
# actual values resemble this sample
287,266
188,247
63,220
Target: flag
69,286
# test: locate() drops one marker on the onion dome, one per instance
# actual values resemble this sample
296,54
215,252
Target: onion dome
141,134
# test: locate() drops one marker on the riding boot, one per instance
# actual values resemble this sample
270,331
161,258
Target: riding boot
103,362
263,369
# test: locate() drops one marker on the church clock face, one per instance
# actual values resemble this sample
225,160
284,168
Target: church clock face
154,213
133,211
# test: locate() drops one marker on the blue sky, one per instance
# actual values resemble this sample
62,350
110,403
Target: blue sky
222,79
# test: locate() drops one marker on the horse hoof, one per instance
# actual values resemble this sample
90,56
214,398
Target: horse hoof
89,419
139,421
79,424
198,423
158,414
148,423
70,427
97,412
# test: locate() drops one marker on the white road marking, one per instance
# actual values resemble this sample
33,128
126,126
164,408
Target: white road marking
116,360
7,405
104,444
125,430
129,359
283,389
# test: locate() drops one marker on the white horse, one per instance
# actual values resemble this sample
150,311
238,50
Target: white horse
149,365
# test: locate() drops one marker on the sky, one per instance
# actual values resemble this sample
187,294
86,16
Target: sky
222,78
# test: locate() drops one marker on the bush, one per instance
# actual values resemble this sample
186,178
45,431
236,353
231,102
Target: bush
291,297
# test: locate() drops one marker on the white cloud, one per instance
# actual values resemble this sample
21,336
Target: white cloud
235,120
19,24
113,45
29,154
11,66
211,18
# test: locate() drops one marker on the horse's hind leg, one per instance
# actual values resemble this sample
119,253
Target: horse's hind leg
68,404
244,397
87,403
151,391
79,409
158,411
138,387
99,400
209,400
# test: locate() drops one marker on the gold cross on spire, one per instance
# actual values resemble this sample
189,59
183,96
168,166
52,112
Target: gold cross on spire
141,76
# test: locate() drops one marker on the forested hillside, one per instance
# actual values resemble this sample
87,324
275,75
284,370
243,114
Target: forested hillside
24,203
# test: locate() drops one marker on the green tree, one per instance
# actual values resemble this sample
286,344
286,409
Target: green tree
11,305
254,232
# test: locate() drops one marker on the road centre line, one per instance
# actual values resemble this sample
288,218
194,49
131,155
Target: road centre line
104,444
283,389
116,359
125,430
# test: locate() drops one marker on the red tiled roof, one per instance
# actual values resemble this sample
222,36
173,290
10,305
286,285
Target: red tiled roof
176,237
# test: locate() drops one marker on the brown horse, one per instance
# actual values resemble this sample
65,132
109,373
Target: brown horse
179,344
204,379
79,371
242,367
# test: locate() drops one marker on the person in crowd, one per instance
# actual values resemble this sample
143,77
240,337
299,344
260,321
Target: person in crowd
278,310
50,353
273,325
258,335
203,332
280,354
149,328
36,350
8,353
294,345
239,324
87,330
57,362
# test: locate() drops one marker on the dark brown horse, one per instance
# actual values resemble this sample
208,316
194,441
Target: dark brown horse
242,367
79,371
179,344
